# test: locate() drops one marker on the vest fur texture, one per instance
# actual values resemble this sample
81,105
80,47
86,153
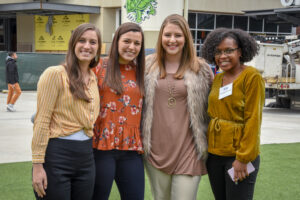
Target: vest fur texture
198,86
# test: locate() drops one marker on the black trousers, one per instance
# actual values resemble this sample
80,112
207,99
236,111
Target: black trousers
222,185
126,168
70,170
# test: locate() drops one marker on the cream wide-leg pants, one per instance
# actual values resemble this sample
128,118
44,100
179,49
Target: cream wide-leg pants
171,187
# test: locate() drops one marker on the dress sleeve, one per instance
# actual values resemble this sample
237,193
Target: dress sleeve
254,102
47,93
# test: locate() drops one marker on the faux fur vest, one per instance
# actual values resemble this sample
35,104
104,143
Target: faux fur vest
198,86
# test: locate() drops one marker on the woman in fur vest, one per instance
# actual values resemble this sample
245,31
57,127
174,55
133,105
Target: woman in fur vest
174,116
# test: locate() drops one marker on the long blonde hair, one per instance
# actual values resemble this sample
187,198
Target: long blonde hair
188,59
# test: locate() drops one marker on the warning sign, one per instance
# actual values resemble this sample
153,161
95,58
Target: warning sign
54,32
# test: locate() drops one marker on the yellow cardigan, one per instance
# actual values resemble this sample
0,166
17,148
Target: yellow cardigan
234,129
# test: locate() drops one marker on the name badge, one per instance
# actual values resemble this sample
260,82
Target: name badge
225,91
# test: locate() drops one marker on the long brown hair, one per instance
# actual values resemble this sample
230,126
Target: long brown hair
76,82
188,58
113,73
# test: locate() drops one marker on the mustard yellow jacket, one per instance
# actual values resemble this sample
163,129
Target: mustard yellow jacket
234,129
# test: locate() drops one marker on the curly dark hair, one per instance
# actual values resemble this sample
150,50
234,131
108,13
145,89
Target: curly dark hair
247,44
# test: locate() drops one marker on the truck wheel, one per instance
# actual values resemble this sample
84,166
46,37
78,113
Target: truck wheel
285,102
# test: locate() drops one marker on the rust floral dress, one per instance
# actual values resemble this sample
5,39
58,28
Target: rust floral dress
118,124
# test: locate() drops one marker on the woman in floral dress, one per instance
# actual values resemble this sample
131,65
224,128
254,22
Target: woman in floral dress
117,140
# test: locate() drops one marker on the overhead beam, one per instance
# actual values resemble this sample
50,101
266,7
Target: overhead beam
289,18
23,7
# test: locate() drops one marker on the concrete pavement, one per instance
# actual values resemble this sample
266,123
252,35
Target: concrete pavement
279,126
16,128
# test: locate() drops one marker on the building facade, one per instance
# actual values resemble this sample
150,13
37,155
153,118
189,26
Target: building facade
45,25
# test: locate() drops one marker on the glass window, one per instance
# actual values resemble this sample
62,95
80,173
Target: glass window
224,21
1,31
198,50
285,28
193,34
255,25
192,20
201,35
270,27
241,22
205,21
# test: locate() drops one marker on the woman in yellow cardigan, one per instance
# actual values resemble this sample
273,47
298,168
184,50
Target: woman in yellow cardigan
235,107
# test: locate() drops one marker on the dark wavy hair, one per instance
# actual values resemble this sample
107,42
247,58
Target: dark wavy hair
76,82
247,44
113,74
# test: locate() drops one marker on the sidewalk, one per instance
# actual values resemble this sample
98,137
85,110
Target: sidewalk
279,126
16,128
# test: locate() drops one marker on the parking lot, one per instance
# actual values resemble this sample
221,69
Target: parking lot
278,126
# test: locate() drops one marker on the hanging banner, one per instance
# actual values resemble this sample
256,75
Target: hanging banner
54,32
150,13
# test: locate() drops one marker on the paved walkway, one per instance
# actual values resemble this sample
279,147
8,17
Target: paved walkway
279,126
16,128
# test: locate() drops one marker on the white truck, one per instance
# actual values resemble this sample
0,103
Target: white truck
279,63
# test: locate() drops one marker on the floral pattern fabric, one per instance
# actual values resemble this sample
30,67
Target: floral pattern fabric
118,124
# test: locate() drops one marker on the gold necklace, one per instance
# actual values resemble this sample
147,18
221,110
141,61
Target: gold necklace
171,99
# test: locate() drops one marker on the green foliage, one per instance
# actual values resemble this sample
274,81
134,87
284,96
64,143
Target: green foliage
137,8
278,177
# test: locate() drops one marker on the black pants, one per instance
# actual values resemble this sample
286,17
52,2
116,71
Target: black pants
126,168
222,185
70,170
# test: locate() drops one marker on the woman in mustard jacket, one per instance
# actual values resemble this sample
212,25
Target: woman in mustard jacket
235,108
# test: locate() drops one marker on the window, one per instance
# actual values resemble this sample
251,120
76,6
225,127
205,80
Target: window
224,21
255,25
2,32
201,24
192,20
201,35
205,21
241,22
270,27
285,28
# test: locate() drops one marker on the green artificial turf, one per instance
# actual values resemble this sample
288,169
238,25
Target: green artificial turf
278,178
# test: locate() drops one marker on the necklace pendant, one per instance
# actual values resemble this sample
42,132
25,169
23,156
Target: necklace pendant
171,102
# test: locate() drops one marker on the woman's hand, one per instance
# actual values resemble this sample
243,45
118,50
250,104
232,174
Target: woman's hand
39,179
240,170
